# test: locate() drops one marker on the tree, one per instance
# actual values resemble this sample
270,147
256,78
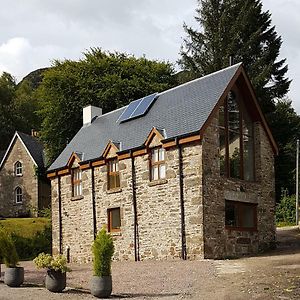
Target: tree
103,79
241,29
7,94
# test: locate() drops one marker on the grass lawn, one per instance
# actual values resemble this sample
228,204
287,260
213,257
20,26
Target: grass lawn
25,227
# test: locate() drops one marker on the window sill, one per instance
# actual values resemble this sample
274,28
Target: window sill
113,191
19,175
157,182
17,204
115,233
76,198
239,179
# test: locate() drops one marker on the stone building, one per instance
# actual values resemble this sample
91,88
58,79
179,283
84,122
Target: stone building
23,189
187,173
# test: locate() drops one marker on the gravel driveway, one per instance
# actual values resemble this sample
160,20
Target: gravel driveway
275,275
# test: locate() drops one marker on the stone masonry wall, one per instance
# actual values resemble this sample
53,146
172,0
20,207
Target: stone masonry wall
8,182
220,242
158,209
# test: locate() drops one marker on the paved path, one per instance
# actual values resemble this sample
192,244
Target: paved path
273,275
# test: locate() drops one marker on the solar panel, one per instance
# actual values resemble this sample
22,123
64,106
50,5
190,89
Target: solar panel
129,110
142,108
137,108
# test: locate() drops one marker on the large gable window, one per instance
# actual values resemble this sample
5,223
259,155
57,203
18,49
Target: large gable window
18,195
76,182
18,168
158,164
236,140
113,174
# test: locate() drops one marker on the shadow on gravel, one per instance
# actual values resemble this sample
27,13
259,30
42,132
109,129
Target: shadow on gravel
124,296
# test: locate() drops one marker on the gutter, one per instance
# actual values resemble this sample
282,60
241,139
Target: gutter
59,216
94,204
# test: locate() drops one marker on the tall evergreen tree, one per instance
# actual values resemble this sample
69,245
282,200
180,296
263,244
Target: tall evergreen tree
244,30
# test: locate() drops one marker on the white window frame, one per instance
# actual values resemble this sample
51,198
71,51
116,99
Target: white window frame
18,195
18,168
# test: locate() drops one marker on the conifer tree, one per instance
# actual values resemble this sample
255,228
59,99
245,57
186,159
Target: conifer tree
244,30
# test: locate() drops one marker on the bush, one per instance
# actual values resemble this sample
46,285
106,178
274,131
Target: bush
103,250
30,247
8,250
286,210
56,263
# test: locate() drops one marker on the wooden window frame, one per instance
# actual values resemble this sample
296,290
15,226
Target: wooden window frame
158,163
239,206
18,168
76,182
109,219
241,142
17,195
113,174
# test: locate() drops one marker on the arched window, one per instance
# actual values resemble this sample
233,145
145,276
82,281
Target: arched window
18,195
18,168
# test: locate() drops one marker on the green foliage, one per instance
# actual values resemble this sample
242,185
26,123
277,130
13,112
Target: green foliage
286,210
8,250
56,263
103,79
103,250
242,29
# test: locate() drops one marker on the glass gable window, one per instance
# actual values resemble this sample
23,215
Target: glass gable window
113,174
236,141
18,195
158,165
76,182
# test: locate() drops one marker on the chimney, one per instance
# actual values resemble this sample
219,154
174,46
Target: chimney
90,112
231,62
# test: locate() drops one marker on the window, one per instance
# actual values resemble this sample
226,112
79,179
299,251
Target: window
240,215
18,195
18,168
236,140
114,219
113,174
158,165
76,182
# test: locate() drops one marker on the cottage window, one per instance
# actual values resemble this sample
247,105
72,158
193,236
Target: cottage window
18,195
240,215
18,168
113,174
158,164
236,140
76,182
114,219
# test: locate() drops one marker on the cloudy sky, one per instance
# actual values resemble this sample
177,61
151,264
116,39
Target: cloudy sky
34,32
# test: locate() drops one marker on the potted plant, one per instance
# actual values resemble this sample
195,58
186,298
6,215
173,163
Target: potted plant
103,250
14,275
56,271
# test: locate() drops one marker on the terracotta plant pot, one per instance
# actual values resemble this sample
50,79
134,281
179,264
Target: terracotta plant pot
55,281
101,287
14,277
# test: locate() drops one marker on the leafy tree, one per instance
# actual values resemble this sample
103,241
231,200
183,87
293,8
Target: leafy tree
241,29
103,79
286,210
7,94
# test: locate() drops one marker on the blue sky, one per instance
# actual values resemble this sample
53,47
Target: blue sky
34,32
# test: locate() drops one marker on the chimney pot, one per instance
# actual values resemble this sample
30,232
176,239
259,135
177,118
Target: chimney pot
90,112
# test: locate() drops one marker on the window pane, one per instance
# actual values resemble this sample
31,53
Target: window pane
155,172
161,154
115,218
230,214
247,216
234,154
155,155
248,157
162,171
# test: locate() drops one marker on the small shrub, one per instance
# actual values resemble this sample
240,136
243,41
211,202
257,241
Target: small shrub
103,250
56,263
286,210
8,250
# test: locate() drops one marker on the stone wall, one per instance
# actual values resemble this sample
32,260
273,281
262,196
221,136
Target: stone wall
158,209
8,182
220,242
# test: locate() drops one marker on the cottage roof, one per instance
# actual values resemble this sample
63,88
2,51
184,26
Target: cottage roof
33,147
177,112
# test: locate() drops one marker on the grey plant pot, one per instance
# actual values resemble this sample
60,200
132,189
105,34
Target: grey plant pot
14,277
101,287
55,281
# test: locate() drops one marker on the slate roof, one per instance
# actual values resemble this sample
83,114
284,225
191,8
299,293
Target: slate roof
32,145
179,111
